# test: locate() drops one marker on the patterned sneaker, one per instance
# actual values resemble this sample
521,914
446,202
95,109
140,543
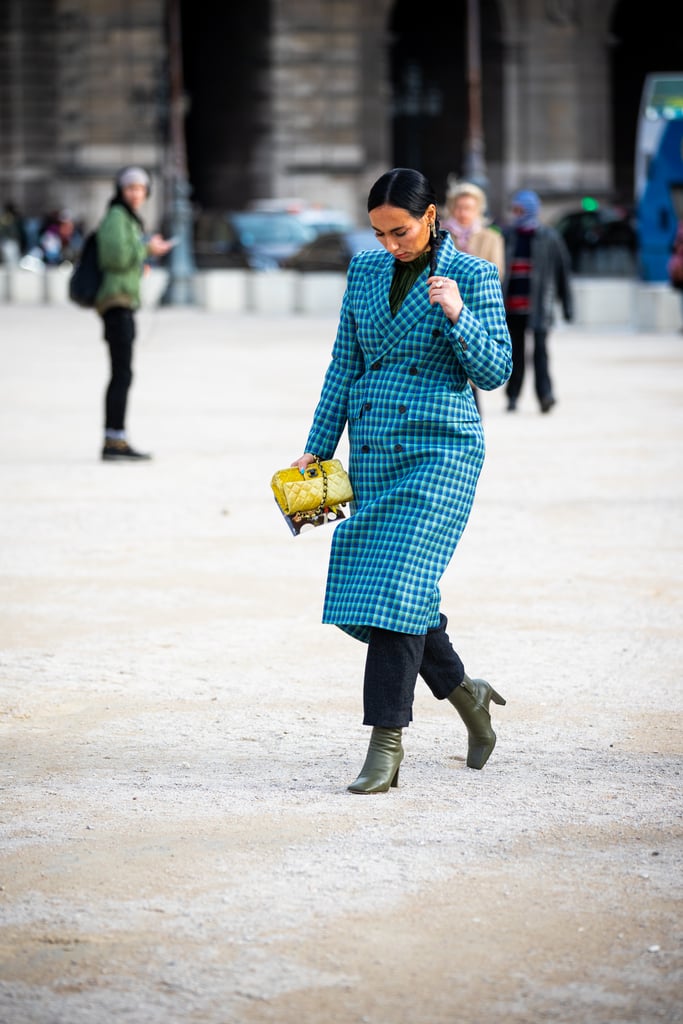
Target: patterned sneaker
114,451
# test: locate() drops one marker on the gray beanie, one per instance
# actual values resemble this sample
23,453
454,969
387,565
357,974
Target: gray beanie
132,176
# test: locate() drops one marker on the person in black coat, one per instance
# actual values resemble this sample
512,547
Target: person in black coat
537,275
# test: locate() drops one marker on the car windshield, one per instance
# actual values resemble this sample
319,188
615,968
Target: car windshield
270,229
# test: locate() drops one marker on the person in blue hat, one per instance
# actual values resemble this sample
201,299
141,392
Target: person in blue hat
537,276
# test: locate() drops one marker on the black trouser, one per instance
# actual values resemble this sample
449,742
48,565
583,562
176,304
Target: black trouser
517,325
393,663
119,333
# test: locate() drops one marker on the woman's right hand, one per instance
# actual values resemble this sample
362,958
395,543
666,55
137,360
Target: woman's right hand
159,246
304,460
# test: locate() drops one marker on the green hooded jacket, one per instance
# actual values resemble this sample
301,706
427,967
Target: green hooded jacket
121,251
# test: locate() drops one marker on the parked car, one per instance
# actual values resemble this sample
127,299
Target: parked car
320,219
323,220
601,241
256,239
332,250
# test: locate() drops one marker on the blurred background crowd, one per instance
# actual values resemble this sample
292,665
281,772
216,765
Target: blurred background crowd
263,125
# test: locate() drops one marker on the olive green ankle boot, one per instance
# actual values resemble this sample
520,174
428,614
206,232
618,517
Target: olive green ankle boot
471,700
383,759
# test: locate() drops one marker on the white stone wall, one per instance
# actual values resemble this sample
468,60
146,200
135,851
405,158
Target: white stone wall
599,302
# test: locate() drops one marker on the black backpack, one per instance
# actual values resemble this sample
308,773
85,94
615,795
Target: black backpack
86,276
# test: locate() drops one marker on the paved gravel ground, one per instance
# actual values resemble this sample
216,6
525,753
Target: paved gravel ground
178,729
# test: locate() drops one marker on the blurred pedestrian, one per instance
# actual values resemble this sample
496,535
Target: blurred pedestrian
61,240
468,226
12,234
122,251
416,322
537,275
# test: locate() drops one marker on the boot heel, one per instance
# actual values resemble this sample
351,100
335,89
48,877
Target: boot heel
394,781
471,701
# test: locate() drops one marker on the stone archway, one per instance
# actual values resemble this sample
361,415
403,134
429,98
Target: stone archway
428,77
226,71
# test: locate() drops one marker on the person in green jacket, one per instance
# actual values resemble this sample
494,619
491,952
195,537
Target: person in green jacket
122,250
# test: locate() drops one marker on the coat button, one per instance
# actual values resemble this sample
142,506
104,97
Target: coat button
365,448
367,406
377,365
398,447
402,408
412,371
463,344
436,333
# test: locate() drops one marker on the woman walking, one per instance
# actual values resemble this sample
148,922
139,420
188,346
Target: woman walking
467,225
418,322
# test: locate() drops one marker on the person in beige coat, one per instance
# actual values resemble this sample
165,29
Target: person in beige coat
467,225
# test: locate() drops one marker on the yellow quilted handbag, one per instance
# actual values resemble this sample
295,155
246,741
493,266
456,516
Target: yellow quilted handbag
314,496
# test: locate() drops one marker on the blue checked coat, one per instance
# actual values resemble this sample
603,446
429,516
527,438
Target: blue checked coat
416,441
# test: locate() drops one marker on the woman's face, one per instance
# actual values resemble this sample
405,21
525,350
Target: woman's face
465,210
404,236
134,196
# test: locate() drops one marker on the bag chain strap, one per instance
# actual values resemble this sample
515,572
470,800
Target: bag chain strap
321,507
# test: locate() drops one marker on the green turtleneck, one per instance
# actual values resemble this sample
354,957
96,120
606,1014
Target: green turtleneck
405,276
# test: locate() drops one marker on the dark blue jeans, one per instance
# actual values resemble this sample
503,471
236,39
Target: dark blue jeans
518,326
119,333
393,663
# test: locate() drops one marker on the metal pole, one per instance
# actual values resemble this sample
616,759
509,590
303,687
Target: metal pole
475,161
180,289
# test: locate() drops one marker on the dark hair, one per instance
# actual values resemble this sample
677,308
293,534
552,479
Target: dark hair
118,200
408,190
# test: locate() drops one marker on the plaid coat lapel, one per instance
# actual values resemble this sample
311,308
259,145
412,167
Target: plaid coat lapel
377,288
415,308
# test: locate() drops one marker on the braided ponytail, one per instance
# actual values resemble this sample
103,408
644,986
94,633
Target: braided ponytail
437,238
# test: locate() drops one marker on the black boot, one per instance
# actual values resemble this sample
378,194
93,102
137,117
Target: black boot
382,761
115,450
471,700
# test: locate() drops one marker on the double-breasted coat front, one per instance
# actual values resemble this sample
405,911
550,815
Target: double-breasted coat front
401,384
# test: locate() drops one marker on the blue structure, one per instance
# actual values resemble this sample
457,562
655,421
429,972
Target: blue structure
659,171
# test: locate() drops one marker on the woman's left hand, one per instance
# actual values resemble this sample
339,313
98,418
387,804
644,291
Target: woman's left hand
444,291
304,460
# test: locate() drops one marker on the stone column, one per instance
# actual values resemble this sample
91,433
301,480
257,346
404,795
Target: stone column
330,99
111,95
557,102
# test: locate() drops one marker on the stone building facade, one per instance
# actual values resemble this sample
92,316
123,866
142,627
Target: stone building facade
315,98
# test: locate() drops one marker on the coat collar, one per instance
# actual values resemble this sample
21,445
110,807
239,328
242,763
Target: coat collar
415,306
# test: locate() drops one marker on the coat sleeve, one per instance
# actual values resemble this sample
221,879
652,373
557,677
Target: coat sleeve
563,286
346,366
119,249
493,250
480,337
